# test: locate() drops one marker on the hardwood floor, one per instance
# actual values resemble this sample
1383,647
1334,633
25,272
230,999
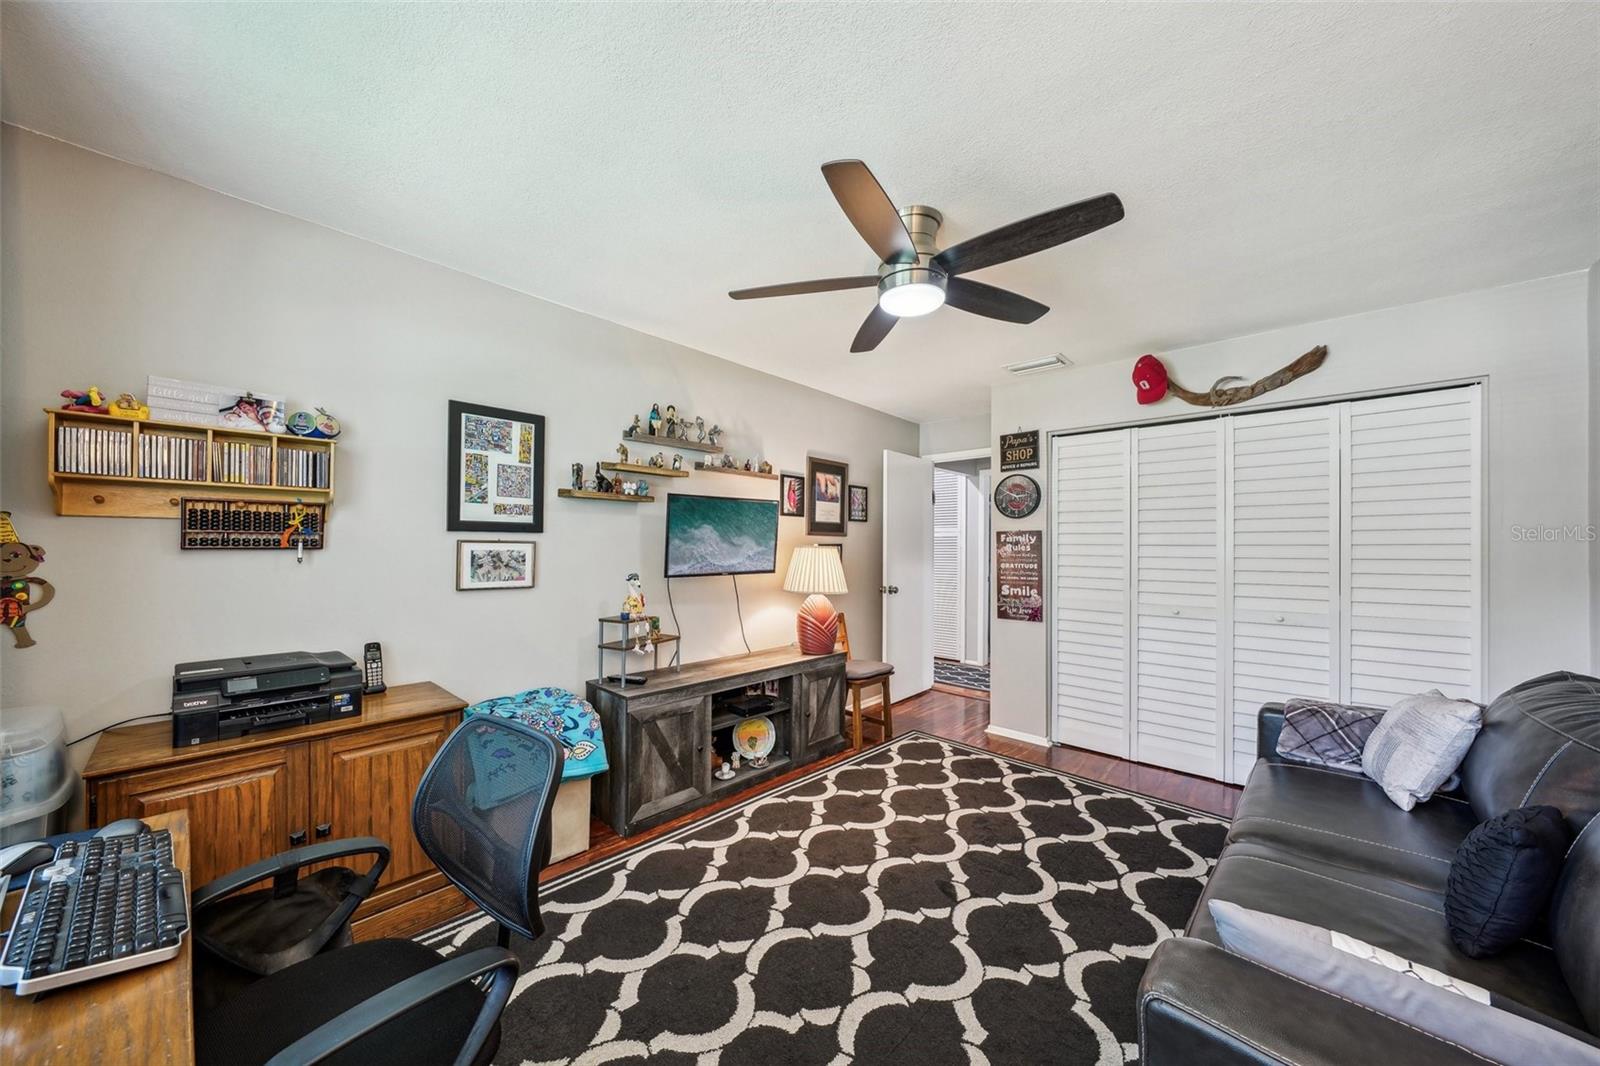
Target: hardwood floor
951,713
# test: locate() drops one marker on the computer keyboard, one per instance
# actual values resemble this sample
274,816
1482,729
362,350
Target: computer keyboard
104,905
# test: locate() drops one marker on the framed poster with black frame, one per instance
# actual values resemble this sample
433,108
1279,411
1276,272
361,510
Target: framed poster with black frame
825,497
496,482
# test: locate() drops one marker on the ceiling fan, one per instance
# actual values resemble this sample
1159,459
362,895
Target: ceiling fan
914,277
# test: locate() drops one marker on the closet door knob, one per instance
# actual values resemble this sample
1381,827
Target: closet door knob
297,838
1278,619
324,829
1176,612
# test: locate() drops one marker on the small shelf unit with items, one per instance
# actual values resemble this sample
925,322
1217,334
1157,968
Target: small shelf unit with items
668,732
123,468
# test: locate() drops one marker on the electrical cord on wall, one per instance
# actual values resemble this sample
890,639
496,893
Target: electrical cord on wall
677,649
113,725
739,609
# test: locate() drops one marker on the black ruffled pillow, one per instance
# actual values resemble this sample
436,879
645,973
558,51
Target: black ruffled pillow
1502,877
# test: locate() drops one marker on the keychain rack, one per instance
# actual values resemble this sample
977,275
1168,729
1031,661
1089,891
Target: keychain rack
249,525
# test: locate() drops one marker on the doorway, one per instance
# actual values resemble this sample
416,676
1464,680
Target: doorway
961,565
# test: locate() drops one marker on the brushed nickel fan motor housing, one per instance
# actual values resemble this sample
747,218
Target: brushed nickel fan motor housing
922,222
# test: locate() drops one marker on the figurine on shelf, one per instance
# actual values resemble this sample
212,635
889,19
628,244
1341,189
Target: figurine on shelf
735,759
89,401
672,420
577,476
622,453
633,430
658,460
633,602
714,436
725,771
749,467
601,482
728,463
765,467
655,419
677,461
641,487
127,407
699,429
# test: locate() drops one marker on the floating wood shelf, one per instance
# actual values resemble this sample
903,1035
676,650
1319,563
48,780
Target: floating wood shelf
741,471
642,468
128,495
585,494
674,442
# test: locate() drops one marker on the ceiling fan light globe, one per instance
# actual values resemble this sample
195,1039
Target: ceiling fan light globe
912,299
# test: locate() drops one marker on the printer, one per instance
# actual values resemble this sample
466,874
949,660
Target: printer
224,698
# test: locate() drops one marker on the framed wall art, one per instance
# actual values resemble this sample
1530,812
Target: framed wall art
792,496
825,497
494,564
858,503
496,477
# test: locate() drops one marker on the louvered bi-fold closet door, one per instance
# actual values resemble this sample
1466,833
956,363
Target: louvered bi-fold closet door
949,602
1091,494
1412,540
1177,562
1283,549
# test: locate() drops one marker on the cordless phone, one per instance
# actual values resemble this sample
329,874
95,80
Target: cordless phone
372,669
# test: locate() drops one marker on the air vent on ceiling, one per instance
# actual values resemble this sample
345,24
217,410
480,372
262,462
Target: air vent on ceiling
1036,366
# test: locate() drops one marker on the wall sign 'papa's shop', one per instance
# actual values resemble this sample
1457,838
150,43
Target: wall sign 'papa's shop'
1019,451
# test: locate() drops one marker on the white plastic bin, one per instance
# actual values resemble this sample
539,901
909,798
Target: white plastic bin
36,781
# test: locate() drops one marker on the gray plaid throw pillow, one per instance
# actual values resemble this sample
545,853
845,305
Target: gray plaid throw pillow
1326,734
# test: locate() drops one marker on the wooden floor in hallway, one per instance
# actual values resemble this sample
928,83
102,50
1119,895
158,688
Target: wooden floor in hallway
963,715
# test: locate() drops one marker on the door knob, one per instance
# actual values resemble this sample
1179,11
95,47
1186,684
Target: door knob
324,829
1278,619
297,838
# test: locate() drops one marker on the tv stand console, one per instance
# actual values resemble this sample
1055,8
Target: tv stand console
660,736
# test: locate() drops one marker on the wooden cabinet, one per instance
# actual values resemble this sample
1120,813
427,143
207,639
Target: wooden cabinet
253,797
658,734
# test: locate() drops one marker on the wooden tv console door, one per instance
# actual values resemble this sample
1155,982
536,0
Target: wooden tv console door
255,796
659,734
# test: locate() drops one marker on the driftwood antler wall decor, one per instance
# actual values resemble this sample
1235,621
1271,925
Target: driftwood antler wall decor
1151,380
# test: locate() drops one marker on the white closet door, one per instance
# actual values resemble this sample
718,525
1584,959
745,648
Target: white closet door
1413,549
1089,519
949,517
1177,557
1283,523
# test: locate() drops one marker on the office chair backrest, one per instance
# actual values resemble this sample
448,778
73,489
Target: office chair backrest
482,814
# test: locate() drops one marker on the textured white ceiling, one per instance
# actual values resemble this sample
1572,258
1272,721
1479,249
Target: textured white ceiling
1279,163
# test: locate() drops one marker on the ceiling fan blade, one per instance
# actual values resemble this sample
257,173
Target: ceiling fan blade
796,288
1030,235
869,210
873,330
976,298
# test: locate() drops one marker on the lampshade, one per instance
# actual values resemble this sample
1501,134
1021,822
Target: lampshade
815,568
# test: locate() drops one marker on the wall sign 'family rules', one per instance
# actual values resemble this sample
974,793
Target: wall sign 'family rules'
1019,574
496,469
1019,451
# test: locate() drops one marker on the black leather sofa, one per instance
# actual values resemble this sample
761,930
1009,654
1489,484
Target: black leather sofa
1330,849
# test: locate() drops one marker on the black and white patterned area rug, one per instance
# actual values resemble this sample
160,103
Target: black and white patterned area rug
921,902
961,675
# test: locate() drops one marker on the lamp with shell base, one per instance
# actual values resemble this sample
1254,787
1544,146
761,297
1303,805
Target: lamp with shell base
817,570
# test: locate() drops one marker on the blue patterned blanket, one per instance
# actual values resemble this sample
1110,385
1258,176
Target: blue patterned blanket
563,715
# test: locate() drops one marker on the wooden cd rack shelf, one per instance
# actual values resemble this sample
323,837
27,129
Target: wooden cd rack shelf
121,468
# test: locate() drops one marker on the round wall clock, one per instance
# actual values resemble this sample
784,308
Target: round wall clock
1017,496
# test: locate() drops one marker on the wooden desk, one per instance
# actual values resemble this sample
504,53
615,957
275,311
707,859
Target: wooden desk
255,796
142,1017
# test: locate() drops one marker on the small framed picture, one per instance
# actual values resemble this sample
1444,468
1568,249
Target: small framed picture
858,503
496,476
792,495
825,503
494,564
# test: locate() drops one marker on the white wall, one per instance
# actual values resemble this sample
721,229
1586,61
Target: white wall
1528,341
111,272
963,434
1594,469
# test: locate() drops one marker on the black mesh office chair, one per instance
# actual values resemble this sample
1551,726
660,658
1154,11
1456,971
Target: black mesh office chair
482,814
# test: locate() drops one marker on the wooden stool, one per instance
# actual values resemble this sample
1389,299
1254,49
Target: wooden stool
860,674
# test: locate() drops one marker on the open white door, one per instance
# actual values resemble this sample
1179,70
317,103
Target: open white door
908,571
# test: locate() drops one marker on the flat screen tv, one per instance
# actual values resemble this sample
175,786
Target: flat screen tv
721,535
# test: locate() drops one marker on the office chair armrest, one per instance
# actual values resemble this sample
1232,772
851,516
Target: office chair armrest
284,869
409,994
